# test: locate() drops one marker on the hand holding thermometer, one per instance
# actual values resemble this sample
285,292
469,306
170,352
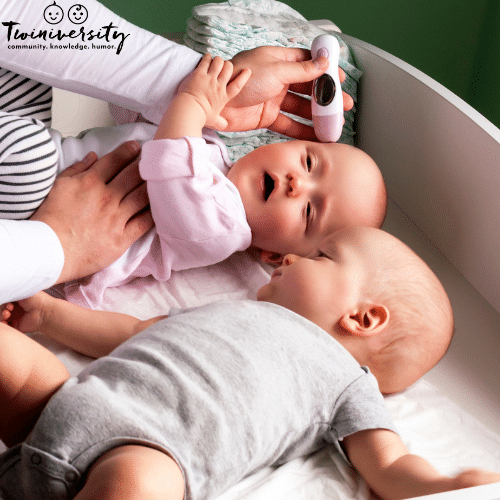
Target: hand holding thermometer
327,103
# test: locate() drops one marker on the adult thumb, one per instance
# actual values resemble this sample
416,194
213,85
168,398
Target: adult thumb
303,71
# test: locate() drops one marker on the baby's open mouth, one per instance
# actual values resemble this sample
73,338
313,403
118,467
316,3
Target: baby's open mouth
269,185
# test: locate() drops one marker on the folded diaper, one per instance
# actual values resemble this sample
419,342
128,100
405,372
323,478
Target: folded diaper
224,29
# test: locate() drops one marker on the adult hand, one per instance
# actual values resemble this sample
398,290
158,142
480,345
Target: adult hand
97,209
278,74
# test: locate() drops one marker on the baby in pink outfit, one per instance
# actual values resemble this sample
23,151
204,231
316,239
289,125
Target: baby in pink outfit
280,198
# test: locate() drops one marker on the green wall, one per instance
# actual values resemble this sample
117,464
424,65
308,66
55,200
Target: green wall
484,90
455,42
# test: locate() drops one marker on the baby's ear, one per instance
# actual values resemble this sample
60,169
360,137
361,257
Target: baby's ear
366,320
272,258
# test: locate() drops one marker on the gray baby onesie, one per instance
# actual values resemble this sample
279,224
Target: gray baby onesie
226,389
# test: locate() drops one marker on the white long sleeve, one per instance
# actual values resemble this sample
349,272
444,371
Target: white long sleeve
31,258
143,76
141,72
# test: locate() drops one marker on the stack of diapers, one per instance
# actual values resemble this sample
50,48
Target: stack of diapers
224,29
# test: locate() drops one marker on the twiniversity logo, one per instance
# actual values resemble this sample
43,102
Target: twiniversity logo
80,38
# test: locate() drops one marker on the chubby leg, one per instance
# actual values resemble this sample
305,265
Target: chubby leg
29,375
133,473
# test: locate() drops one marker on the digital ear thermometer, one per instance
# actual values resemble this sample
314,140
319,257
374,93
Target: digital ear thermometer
327,104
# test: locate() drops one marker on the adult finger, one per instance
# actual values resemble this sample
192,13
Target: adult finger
298,67
107,167
291,128
135,200
302,71
127,179
80,166
135,208
305,88
300,106
297,105
348,101
138,225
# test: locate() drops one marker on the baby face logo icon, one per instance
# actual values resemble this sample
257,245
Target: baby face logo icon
53,14
78,14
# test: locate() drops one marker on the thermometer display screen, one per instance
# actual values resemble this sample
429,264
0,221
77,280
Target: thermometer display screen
324,90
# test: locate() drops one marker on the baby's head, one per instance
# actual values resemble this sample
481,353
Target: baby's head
297,192
376,297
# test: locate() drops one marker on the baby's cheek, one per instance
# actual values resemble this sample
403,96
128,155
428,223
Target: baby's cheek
267,234
278,238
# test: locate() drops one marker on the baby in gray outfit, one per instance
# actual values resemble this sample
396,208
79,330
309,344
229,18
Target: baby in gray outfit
186,406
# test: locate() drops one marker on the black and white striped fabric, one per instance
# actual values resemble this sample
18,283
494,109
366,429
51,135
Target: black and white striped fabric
28,155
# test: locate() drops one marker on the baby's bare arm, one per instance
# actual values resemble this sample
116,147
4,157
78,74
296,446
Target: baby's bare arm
29,375
393,473
93,333
200,100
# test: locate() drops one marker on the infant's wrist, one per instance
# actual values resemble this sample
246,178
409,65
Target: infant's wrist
185,116
191,105
45,311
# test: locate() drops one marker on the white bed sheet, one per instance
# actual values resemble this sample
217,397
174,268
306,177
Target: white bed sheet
429,423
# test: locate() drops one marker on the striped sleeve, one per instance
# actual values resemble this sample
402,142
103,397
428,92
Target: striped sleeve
28,155
25,98
28,165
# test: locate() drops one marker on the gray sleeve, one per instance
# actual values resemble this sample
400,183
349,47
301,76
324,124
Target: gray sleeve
360,407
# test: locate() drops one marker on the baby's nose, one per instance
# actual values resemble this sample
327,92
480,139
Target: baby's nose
296,185
290,258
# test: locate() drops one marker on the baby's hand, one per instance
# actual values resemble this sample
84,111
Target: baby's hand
474,477
6,312
209,85
26,315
